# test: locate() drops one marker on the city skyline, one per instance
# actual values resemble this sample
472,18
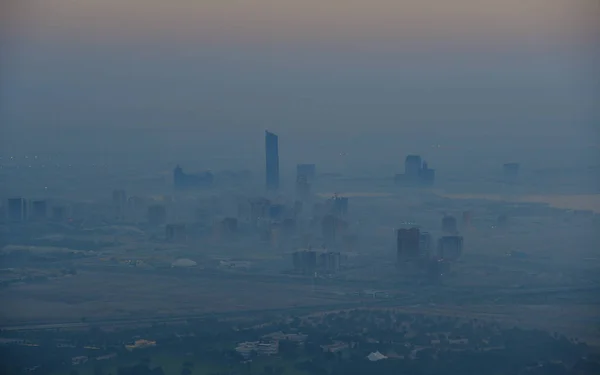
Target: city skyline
271,161
393,69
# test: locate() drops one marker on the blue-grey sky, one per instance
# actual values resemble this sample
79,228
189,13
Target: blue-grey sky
97,73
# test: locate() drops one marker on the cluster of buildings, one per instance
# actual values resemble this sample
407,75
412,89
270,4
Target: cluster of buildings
19,209
416,172
182,180
269,344
416,246
310,261
249,349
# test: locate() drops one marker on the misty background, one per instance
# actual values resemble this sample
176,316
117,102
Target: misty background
146,84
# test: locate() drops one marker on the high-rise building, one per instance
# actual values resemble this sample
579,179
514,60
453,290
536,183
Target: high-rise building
427,175
329,262
424,243
39,210
182,180
17,209
275,235
298,207
350,242
176,232
272,160
276,211
307,170
302,187
332,229
288,227
225,228
450,247
407,243
416,172
339,205
412,166
157,214
305,261
259,209
59,213
466,219
230,225
449,225
119,199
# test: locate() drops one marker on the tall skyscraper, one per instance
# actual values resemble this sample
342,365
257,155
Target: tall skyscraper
307,170
407,243
416,172
467,217
272,160
412,167
59,213
450,247
17,209
302,188
182,180
449,225
40,210
157,214
119,198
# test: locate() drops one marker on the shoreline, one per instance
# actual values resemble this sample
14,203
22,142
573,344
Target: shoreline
589,202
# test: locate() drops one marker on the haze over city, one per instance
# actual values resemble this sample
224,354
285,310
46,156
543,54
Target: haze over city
299,187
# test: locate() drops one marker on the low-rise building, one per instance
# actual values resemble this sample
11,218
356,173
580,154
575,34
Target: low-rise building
140,344
337,346
79,360
261,348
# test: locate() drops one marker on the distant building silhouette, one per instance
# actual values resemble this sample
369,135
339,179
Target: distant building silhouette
157,214
119,199
225,228
412,167
329,262
467,216
176,232
302,187
298,207
338,205
407,243
182,180
305,261
416,172
425,243
449,225
427,175
40,210
259,209
450,247
17,209
272,160
276,211
332,229
59,213
307,170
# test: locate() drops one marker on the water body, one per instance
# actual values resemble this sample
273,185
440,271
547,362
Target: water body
572,202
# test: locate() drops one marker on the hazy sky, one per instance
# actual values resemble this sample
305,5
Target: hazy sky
311,68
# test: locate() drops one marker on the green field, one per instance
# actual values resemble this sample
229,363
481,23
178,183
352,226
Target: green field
173,365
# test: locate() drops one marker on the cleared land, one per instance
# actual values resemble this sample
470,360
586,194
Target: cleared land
97,295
